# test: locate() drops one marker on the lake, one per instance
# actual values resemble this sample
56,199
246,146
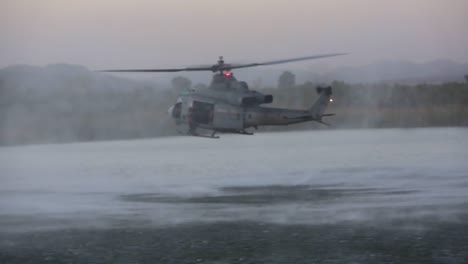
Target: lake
325,196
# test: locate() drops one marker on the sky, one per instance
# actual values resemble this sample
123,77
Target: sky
101,34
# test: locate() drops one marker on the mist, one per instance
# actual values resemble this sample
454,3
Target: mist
68,103
63,103
270,196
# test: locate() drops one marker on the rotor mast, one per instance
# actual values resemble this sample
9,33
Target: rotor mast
221,65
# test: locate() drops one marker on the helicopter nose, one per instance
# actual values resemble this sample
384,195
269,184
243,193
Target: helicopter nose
170,111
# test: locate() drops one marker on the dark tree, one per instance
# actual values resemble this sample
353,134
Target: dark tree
180,83
466,78
286,80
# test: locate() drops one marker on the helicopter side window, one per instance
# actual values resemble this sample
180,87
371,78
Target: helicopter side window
243,86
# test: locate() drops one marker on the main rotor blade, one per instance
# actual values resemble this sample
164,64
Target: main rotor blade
162,70
227,67
285,60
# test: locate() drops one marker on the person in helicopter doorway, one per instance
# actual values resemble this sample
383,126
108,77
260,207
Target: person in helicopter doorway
191,122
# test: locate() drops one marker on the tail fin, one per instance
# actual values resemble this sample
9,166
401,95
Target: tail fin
319,106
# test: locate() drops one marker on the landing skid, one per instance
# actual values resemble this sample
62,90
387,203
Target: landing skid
243,132
212,135
204,136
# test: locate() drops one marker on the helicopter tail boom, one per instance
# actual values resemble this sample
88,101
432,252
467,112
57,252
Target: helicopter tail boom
318,107
268,116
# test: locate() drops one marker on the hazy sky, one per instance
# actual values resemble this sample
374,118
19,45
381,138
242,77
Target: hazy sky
148,33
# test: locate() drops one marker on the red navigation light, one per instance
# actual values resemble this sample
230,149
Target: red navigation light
228,74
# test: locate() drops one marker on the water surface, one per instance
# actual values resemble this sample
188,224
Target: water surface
341,191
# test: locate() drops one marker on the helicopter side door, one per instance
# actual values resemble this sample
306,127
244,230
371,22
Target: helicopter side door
228,117
202,112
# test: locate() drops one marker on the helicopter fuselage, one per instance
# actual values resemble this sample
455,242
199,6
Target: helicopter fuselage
229,106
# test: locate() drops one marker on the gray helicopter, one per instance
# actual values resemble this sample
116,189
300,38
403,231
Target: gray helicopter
229,106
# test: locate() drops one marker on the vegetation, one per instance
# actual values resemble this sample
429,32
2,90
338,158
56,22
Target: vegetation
286,80
384,105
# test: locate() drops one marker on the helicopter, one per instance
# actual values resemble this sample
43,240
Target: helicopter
229,106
